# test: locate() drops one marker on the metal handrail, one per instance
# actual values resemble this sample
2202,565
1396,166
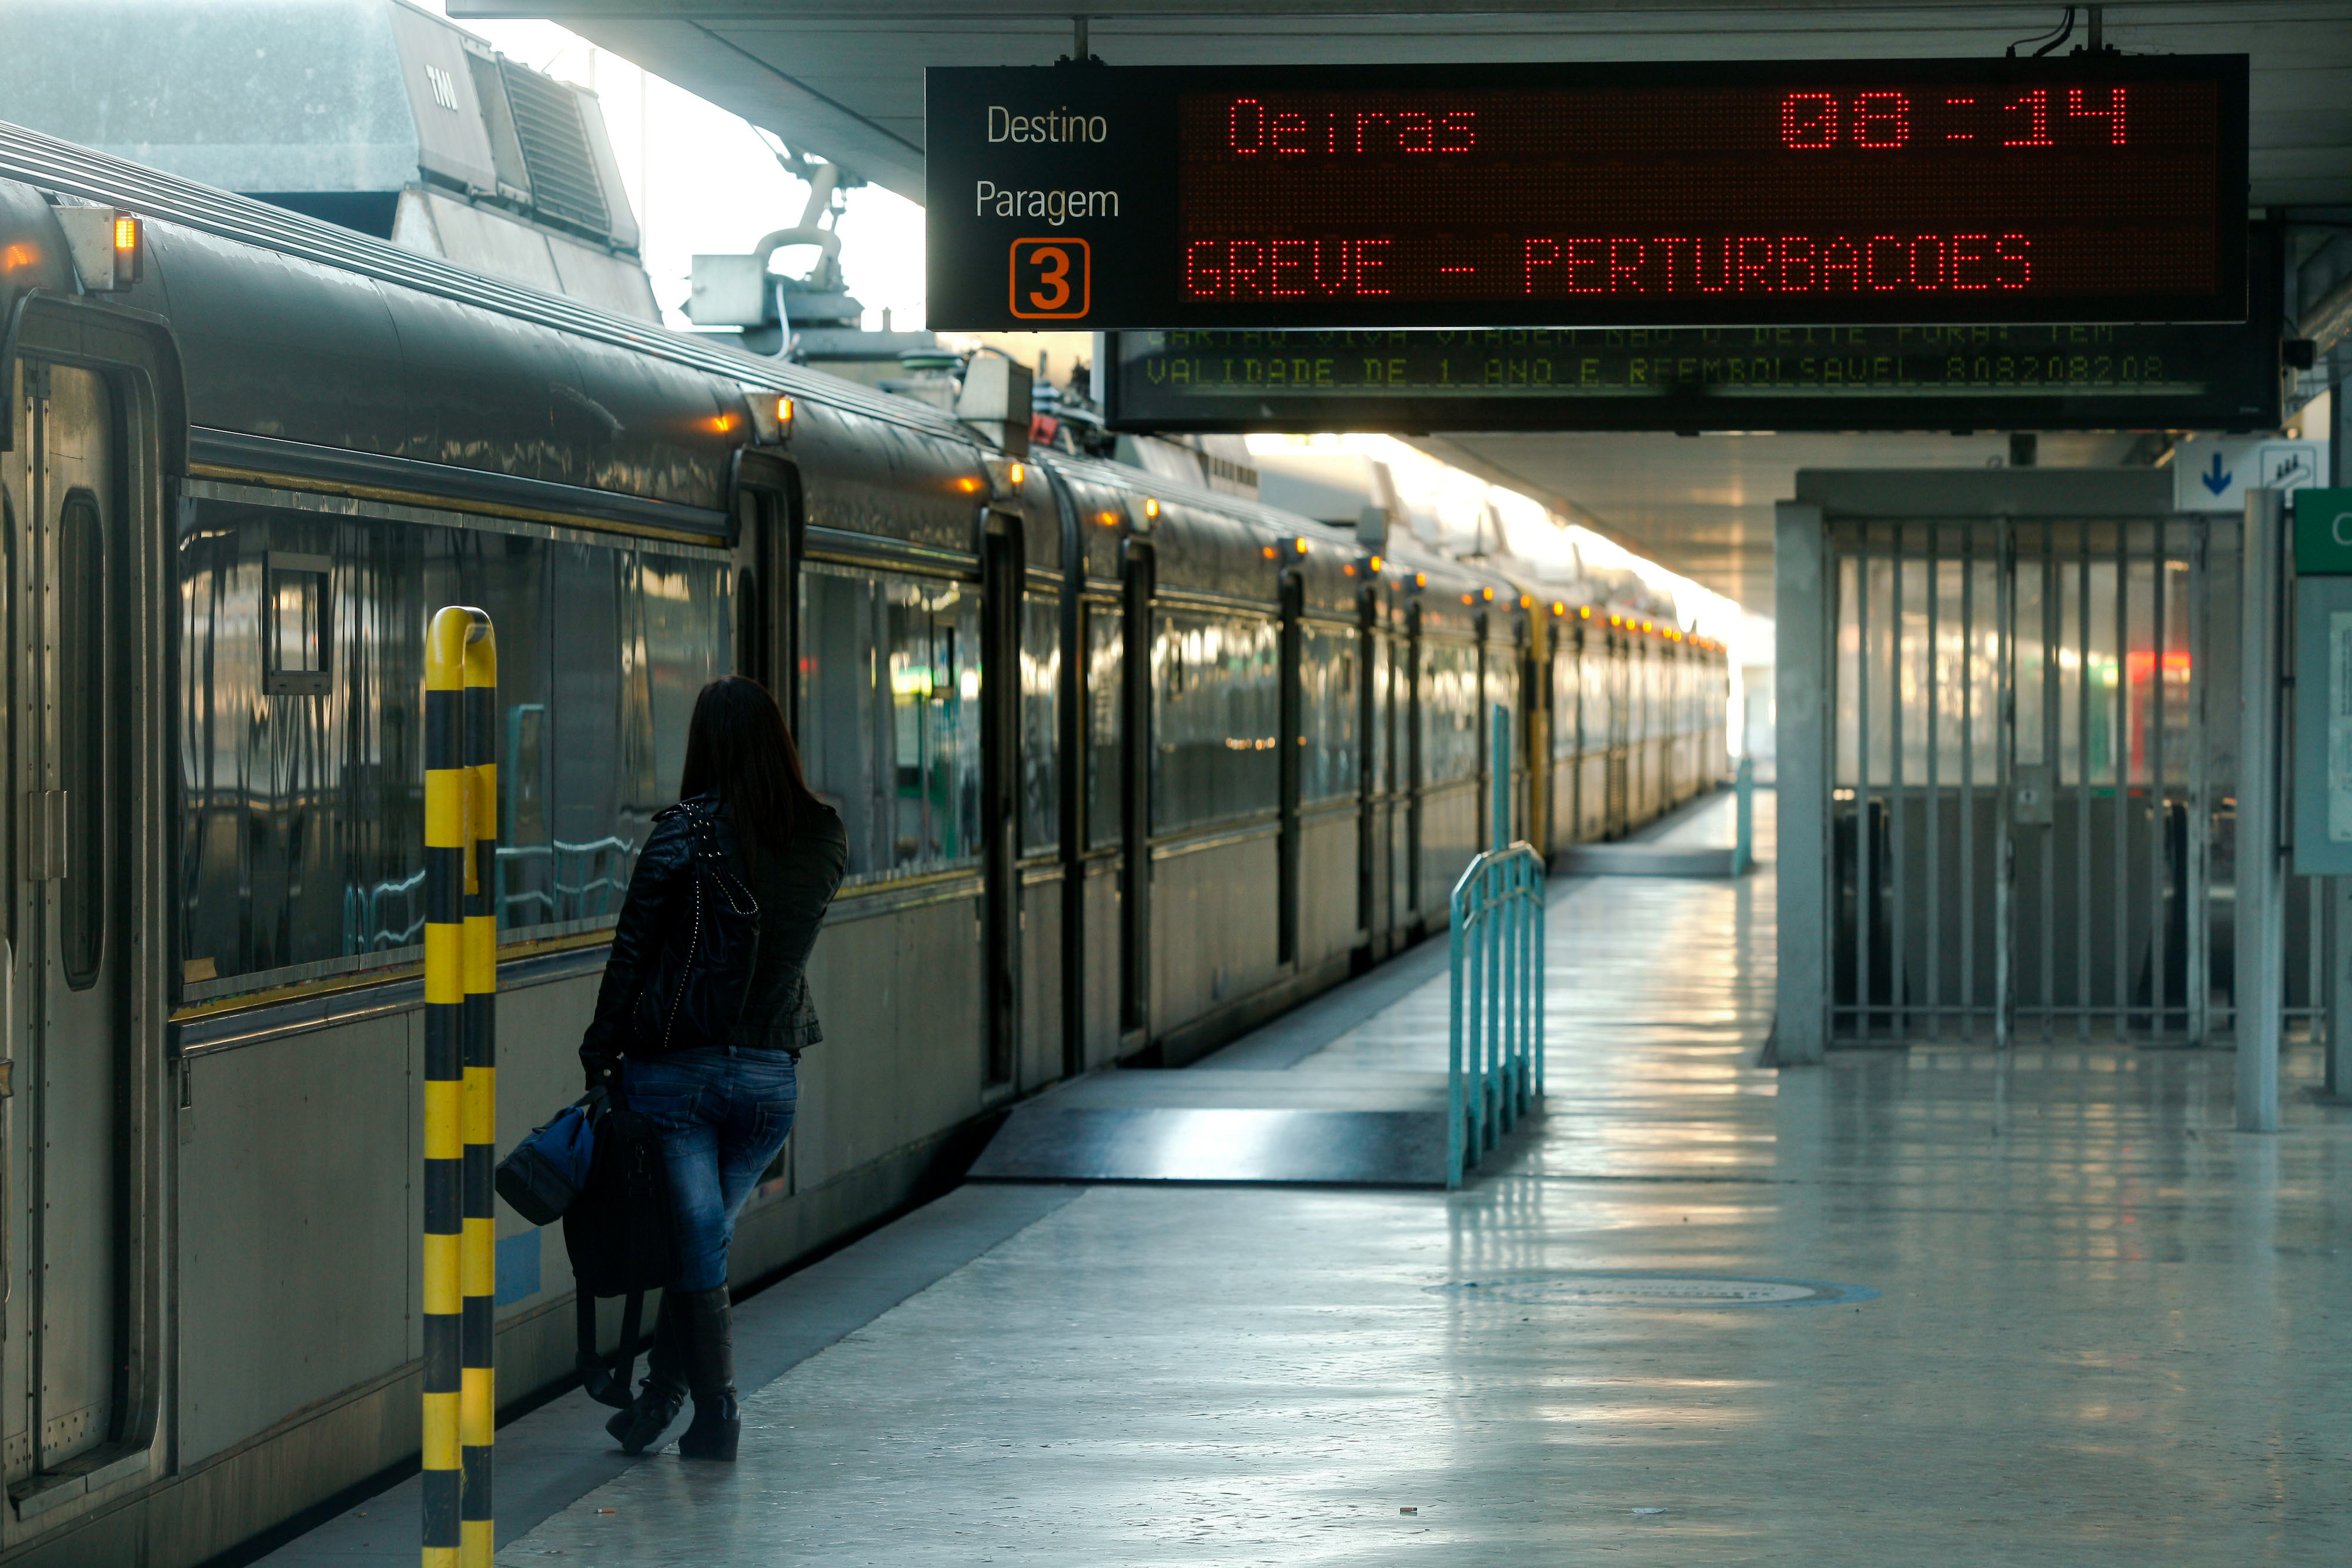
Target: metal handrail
1494,1072
1494,1055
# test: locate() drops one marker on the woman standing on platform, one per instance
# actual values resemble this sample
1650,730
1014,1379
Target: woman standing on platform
722,1109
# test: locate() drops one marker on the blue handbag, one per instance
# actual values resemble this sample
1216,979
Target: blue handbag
546,1171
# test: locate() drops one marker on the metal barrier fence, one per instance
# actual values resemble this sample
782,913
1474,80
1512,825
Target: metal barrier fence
1495,1052
461,839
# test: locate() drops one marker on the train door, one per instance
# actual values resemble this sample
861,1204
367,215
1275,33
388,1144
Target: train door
1290,730
1621,727
1070,778
1413,765
1485,689
1002,577
1372,762
764,514
78,731
1135,802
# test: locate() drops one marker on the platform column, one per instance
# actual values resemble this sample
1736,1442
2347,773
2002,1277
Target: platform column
2261,876
460,1086
1800,688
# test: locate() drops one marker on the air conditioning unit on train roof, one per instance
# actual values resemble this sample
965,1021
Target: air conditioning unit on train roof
372,114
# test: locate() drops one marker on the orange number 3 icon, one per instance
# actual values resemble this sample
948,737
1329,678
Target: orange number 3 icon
1052,279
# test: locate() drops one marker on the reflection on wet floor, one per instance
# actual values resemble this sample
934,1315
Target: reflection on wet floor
2106,1329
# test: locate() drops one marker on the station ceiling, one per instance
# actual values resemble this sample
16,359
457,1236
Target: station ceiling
844,78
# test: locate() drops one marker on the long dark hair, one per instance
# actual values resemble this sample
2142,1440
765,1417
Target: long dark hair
739,749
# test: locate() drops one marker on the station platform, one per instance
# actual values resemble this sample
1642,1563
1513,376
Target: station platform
1933,1305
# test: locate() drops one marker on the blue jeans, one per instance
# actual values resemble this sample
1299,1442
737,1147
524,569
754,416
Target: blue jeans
723,1116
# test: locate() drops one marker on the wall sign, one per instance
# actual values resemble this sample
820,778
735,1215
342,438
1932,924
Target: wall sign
2323,684
2106,189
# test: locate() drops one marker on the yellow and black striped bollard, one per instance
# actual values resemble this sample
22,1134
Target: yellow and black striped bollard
461,679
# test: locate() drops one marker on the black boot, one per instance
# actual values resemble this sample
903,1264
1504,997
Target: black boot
710,1341
640,1427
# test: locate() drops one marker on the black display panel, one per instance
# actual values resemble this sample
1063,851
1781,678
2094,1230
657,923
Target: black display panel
2107,189
2018,377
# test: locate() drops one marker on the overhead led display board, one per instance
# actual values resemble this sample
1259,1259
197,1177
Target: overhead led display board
1762,194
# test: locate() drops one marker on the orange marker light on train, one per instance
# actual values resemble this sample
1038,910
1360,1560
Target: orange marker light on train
1527,600
1267,552
783,414
1379,565
1558,607
1467,599
126,232
1489,592
1299,545
1151,507
1020,475
1420,579
1348,567
1584,612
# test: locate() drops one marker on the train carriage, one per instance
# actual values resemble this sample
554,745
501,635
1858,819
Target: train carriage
1126,768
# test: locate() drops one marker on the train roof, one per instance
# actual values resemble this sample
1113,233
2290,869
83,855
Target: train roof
301,340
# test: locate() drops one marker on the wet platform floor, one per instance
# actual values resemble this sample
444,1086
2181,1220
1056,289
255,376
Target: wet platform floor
2046,1309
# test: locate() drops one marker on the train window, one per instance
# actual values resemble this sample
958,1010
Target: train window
1593,703
83,708
890,681
1216,718
1327,711
1502,690
1106,702
1449,711
302,828
1041,685
1563,699
296,640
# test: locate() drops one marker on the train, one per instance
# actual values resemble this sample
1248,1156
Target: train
1127,766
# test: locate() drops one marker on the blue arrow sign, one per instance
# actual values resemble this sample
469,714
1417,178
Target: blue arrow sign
2219,480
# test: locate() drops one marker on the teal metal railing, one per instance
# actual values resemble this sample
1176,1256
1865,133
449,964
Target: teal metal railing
1495,1052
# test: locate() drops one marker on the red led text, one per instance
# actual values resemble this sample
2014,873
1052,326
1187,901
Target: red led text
1777,264
1254,129
1818,122
1285,268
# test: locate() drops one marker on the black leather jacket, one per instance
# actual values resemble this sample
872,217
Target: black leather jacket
793,890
